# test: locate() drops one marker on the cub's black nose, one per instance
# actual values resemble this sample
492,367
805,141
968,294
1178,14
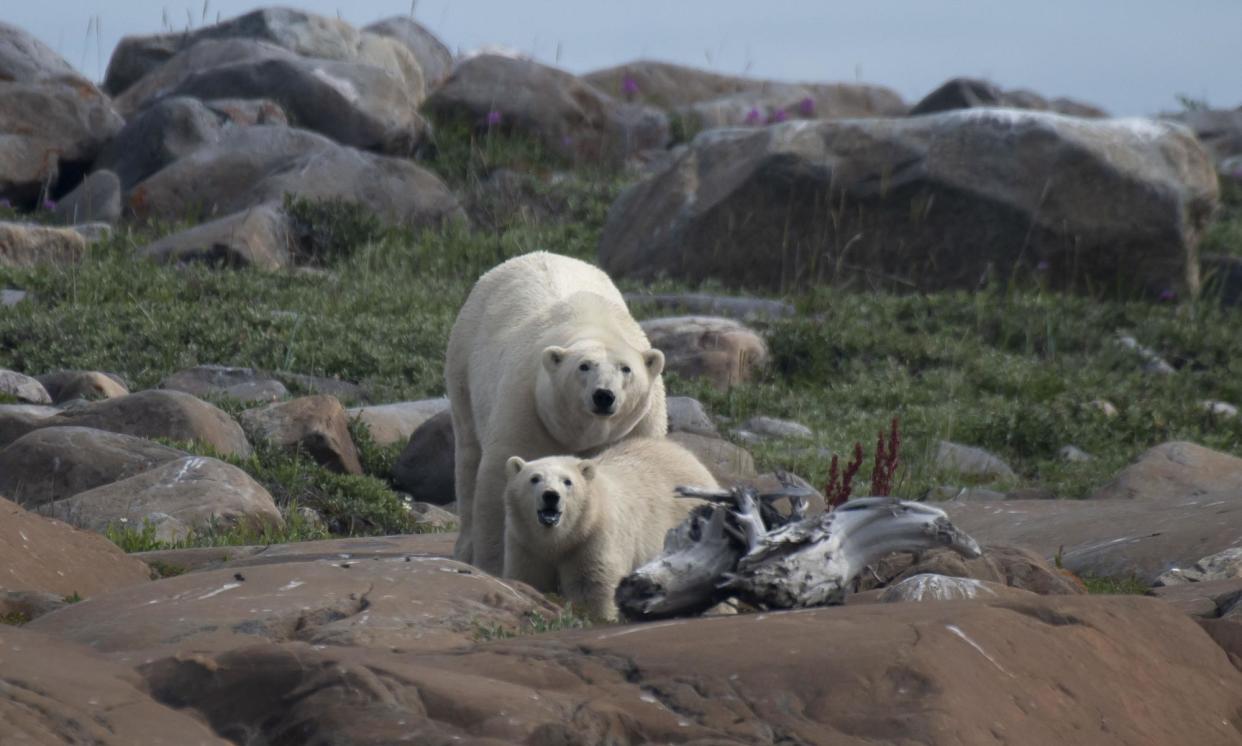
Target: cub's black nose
551,498
603,398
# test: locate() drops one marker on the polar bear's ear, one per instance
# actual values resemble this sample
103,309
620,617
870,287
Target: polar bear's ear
515,465
553,356
654,361
588,470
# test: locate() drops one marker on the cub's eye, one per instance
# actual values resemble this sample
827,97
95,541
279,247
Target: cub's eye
584,367
534,479
568,483
625,369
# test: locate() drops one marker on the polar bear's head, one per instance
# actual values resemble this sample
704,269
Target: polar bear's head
592,393
549,494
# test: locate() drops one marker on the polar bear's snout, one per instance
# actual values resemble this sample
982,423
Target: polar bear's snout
605,401
550,512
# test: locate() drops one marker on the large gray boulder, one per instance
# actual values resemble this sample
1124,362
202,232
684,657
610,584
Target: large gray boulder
24,58
969,93
568,117
158,136
948,200
679,87
250,166
54,463
433,56
300,33
176,498
355,104
96,200
257,237
47,125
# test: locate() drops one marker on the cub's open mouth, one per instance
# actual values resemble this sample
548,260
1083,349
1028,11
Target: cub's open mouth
549,517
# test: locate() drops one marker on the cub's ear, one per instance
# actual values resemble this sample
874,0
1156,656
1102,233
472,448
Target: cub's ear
553,356
588,469
514,466
654,361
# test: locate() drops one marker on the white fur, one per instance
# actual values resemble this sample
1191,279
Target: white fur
515,386
616,509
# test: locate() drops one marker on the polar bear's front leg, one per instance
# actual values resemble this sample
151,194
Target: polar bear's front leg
591,584
489,515
465,476
528,567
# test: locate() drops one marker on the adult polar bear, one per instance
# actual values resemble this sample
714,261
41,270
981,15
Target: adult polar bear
544,359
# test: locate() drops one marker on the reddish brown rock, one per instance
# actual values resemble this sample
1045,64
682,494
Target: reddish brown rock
53,692
40,554
1084,670
408,602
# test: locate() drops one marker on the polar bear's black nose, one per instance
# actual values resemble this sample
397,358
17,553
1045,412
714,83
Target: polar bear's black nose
603,399
551,498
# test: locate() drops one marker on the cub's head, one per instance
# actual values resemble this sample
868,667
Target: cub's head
547,494
598,381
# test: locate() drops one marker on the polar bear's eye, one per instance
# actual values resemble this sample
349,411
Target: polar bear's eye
534,479
584,367
625,369
568,483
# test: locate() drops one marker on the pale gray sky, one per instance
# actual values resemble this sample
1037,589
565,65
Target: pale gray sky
1129,56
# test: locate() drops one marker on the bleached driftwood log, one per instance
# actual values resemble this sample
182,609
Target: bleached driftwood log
741,547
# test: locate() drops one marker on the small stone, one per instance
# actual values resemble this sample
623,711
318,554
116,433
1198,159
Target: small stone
428,517
1152,362
11,297
1073,454
719,350
687,414
316,425
68,385
771,427
971,461
1104,407
1219,408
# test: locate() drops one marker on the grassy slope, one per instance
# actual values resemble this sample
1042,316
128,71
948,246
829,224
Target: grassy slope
1012,372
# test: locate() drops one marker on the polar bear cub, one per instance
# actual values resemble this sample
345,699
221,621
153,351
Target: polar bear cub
578,526
544,359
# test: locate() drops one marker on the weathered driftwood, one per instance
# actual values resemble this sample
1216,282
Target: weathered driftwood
741,547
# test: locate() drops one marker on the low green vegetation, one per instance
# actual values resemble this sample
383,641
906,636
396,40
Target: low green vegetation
15,618
534,623
1116,586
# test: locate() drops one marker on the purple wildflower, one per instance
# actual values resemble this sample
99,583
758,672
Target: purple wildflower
1167,296
753,116
49,204
493,118
629,86
806,107
1043,265
777,116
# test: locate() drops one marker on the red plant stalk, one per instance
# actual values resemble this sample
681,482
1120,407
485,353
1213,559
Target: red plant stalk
836,493
887,458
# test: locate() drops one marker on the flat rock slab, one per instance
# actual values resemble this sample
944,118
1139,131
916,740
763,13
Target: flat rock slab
371,547
1039,671
40,554
53,692
400,603
1110,538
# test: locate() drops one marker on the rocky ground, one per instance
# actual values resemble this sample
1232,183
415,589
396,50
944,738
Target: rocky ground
228,274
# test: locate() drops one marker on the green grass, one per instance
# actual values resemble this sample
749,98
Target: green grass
1224,235
1116,586
15,618
534,623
